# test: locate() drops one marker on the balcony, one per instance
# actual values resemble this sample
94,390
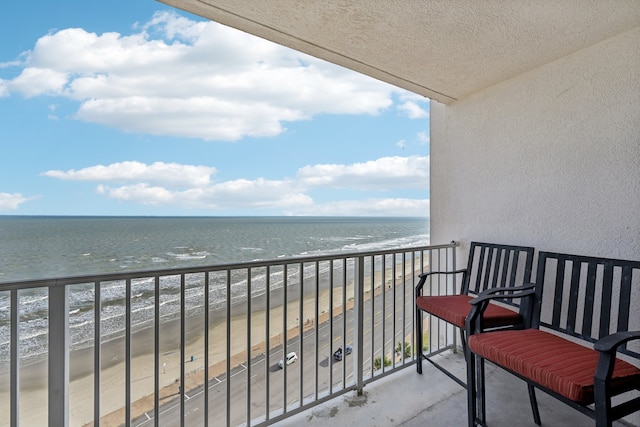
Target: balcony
131,349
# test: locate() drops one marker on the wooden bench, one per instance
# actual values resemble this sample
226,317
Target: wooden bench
580,345
489,266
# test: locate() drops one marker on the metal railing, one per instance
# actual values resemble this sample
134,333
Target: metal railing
208,345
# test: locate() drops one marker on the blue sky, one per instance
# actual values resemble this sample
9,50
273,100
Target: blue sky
136,108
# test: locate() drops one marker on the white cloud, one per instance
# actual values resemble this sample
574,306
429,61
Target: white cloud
11,202
245,194
52,115
382,174
8,64
198,117
158,173
413,110
179,77
191,187
369,207
35,81
413,105
423,137
4,89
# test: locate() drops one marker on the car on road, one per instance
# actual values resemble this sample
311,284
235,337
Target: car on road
291,357
337,355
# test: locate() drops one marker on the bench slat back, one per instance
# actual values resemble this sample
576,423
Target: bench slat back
494,265
588,297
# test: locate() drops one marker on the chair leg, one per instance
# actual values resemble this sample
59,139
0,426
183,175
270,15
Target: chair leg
419,340
475,390
534,404
602,402
482,407
476,412
471,389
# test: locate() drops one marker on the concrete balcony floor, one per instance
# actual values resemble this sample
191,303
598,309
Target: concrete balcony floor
432,399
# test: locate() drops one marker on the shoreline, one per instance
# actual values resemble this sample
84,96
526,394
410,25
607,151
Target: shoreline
33,388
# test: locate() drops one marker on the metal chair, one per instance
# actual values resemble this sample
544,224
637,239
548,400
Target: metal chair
490,266
579,344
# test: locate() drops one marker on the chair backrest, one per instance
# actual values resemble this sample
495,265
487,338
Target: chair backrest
588,297
494,265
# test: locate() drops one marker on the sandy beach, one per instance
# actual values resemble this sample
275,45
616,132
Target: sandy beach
33,398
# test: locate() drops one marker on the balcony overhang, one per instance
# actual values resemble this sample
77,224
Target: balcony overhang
444,50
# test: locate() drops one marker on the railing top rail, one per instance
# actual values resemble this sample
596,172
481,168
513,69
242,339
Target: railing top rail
72,280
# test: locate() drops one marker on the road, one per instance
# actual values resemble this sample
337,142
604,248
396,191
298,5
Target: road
262,373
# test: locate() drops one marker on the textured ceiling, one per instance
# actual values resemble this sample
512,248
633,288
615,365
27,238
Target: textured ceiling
445,50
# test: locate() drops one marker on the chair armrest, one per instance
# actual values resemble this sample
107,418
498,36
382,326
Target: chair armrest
607,346
479,304
423,278
611,342
442,272
504,293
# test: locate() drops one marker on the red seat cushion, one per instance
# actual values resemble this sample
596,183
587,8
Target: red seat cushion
551,361
455,309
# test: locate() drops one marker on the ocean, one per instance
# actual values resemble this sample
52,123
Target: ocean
37,247
47,247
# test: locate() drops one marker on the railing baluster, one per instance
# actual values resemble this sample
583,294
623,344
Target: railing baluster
384,310
249,315
206,349
344,318
183,341
413,313
373,309
268,341
285,311
15,359
394,287
359,316
156,352
300,333
127,354
434,283
455,287
315,327
441,292
331,289
228,352
404,303
58,356
97,352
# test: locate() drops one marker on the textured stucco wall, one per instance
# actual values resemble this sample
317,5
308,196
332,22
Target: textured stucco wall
550,158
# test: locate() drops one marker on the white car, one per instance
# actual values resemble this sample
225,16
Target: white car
291,357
